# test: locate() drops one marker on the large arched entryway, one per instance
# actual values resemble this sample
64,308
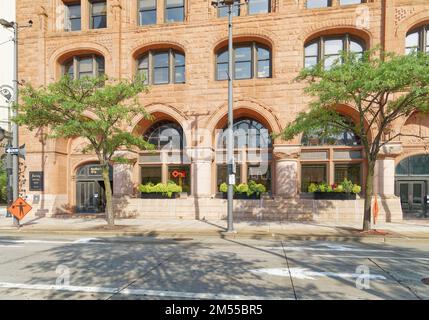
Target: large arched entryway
90,195
411,185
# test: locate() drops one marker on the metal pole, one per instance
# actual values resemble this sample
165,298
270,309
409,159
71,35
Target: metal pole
230,136
15,142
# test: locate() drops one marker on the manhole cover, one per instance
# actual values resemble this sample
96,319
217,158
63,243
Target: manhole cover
183,239
426,281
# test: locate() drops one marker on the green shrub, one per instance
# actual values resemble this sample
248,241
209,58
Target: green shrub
313,188
356,189
257,188
347,186
223,187
339,188
165,189
323,187
248,188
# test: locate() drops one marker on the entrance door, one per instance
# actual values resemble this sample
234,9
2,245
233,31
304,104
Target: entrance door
413,197
90,197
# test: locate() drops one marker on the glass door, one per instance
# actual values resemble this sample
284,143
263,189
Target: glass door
413,197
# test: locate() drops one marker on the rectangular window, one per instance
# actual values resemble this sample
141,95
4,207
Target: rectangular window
98,14
313,4
259,6
260,173
332,52
174,10
222,174
223,11
347,2
264,62
312,173
243,63
179,68
73,17
222,66
147,12
311,55
152,174
85,67
350,172
143,68
161,68
181,175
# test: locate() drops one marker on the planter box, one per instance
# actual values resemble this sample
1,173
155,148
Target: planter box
334,196
242,196
158,195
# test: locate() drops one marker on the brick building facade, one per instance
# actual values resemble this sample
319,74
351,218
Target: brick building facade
180,46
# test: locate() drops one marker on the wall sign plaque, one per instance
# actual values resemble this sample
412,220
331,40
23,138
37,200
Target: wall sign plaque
36,181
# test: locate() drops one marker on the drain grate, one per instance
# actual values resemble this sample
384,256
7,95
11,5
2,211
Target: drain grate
425,281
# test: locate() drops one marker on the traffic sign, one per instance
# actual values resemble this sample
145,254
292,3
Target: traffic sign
11,150
19,208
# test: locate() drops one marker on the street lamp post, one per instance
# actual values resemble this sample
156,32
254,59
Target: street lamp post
230,4
15,141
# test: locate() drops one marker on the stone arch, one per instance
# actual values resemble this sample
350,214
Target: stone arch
313,33
65,52
249,107
413,21
159,112
416,123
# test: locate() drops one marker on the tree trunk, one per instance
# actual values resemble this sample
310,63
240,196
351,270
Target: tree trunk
369,187
110,217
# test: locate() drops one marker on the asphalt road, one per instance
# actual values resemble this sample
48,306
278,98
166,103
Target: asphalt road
70,267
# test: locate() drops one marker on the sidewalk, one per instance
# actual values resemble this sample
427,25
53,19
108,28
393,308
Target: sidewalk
416,229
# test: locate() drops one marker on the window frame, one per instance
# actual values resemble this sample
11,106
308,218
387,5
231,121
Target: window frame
166,7
75,62
254,60
92,16
423,34
269,6
346,45
171,65
69,19
140,10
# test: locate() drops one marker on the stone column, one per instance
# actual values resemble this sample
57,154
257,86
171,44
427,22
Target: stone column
286,170
201,174
384,176
122,179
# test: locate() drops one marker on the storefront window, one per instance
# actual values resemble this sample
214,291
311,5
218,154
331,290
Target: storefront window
312,173
222,174
350,172
151,174
181,175
260,174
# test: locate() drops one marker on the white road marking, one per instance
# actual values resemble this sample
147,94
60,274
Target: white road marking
327,248
9,246
372,257
85,240
303,273
138,292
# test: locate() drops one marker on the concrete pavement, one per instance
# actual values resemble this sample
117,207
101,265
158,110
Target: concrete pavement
71,267
417,229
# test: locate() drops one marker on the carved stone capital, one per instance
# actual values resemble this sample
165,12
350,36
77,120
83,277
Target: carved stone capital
286,153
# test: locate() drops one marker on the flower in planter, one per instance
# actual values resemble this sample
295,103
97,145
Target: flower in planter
165,189
313,187
339,188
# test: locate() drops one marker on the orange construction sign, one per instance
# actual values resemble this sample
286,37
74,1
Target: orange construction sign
19,208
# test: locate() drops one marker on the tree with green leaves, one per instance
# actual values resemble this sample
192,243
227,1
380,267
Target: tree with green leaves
381,87
93,108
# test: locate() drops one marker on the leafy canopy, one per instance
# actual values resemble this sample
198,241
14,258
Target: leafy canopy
381,87
93,108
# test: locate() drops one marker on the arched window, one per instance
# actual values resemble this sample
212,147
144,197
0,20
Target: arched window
165,135
414,166
162,66
417,39
251,60
78,67
345,138
253,154
329,49
248,133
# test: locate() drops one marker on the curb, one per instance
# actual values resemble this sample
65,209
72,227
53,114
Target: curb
154,234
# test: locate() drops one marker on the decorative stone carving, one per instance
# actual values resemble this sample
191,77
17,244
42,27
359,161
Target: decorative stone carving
286,153
392,149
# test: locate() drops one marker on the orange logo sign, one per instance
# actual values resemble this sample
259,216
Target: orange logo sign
19,208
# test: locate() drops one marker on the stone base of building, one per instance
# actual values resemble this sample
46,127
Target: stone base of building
269,209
